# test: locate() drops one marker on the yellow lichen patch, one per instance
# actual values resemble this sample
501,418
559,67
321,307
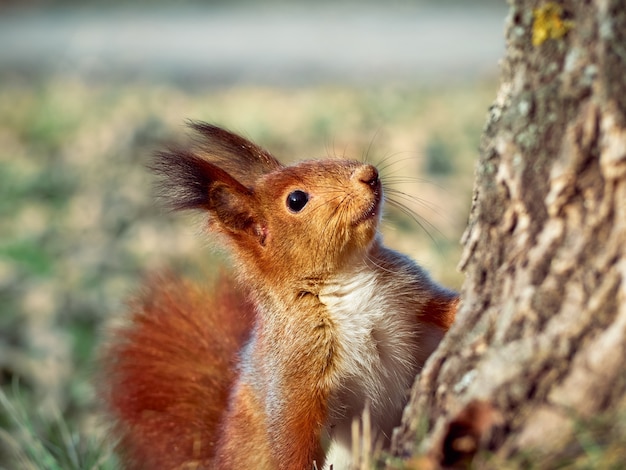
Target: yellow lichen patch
549,24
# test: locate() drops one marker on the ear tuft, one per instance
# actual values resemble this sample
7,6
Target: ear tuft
217,155
239,157
185,179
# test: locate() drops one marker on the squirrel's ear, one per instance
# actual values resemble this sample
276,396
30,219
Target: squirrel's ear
188,181
237,213
242,159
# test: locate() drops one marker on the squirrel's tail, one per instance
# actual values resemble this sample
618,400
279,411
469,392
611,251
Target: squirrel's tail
167,372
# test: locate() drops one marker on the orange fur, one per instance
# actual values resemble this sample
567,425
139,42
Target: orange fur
441,311
335,319
168,372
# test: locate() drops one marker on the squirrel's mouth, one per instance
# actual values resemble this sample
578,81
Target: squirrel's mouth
372,211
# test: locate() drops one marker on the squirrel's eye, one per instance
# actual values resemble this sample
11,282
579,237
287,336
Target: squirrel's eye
297,200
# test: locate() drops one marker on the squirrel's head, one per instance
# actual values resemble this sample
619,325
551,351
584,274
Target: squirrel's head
285,223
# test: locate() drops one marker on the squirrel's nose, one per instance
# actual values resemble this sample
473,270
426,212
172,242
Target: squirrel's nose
367,174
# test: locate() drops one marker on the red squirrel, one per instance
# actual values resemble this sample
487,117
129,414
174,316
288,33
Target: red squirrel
269,370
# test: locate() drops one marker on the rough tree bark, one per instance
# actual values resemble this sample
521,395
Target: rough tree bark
540,340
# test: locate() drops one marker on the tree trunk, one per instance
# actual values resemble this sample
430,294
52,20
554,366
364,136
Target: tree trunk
540,340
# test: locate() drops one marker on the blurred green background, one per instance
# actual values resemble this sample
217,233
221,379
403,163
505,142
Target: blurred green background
80,116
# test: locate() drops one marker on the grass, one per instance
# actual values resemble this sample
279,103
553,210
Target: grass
38,442
79,225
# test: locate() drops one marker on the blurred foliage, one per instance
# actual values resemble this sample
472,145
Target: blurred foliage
439,157
79,227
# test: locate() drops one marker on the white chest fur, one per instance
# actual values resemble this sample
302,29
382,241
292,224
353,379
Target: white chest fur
383,346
